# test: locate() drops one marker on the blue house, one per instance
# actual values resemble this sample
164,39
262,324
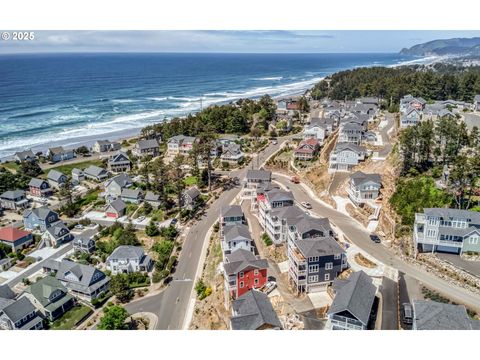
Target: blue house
39,219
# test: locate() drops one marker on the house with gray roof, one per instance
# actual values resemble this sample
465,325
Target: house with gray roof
101,146
40,188
447,230
95,173
82,281
40,218
57,154
232,153
56,179
133,196
115,185
190,198
50,297
153,199
476,103
77,176
353,302
26,155
119,162
180,144
253,311
236,237
57,234
128,259
432,315
83,244
13,200
116,209
146,147
350,132
231,215
364,187
315,258
345,156
254,180
19,315
6,292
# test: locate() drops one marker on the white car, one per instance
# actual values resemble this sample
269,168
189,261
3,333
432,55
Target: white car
306,205
269,287
141,218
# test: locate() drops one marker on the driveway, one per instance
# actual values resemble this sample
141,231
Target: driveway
472,267
389,291
387,144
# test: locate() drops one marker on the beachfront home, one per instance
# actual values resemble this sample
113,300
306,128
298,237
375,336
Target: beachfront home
133,196
353,302
57,154
146,147
232,153
254,180
364,187
345,156
115,185
315,258
15,238
306,150
50,297
432,315
190,198
236,237
57,234
39,218
101,146
116,209
26,155
119,163
128,259
77,176
95,173
39,188
19,315
254,311
447,230
411,117
14,200
56,179
243,271
180,144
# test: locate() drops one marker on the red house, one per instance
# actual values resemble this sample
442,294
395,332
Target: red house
15,238
244,271
307,149
39,187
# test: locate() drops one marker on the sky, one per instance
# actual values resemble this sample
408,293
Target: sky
275,41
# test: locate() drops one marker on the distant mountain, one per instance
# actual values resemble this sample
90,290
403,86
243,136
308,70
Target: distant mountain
457,46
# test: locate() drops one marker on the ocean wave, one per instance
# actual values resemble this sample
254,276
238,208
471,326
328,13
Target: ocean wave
158,98
124,101
271,78
423,60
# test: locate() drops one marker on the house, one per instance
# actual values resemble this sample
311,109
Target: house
50,297
57,154
128,259
236,237
352,305
253,180
146,147
345,156
445,113
15,238
26,155
101,146
39,218
231,215
476,103
364,187
14,200
351,132
180,144
190,197
318,129
269,201
82,281
447,230
56,179
119,162
133,196
315,258
19,315
432,315
411,117
40,188
274,223
95,173
232,153
77,176
307,150
116,209
243,271
84,244
369,136
409,101
6,292
253,311
368,101
153,199
57,234
115,185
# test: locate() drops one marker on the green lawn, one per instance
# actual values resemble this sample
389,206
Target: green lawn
12,166
191,180
67,169
71,318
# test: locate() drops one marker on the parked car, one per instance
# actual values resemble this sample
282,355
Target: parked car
407,313
173,222
79,226
375,238
306,205
295,180
141,218
274,142
269,287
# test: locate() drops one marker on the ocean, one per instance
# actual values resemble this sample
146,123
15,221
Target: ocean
71,99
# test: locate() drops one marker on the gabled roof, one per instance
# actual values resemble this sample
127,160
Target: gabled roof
54,175
243,260
12,194
236,233
260,174
348,146
76,171
43,288
118,205
23,155
359,178
56,150
277,194
182,139
431,315
147,144
355,295
473,217
119,157
94,171
231,211
36,183
41,213
19,309
151,196
127,252
320,246
307,223
131,193
58,230
12,234
6,292
253,310
79,276
192,192
121,180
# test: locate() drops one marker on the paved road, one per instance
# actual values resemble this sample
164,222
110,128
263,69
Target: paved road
389,291
385,137
171,305
360,237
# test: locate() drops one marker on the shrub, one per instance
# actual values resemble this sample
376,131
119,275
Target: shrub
266,239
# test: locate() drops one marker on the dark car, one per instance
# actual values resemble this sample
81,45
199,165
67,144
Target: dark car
375,238
407,313
173,222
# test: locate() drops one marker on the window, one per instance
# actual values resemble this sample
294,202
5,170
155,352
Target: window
473,240
327,277
329,266
241,274
313,259
256,281
431,233
337,256
241,284
255,272
313,278
313,268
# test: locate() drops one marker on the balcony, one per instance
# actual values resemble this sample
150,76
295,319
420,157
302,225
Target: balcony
457,244
346,323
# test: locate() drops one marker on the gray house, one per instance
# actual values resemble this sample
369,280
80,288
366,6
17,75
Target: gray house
84,244
236,237
364,187
19,315
231,215
57,234
133,196
115,185
345,156
190,197
146,147
56,179
119,163
412,116
13,200
128,259
57,154
77,176
39,218
153,199
431,315
95,173
352,306
253,311
105,145
26,155
253,180
39,188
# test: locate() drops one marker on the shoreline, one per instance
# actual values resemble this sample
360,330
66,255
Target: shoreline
127,134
